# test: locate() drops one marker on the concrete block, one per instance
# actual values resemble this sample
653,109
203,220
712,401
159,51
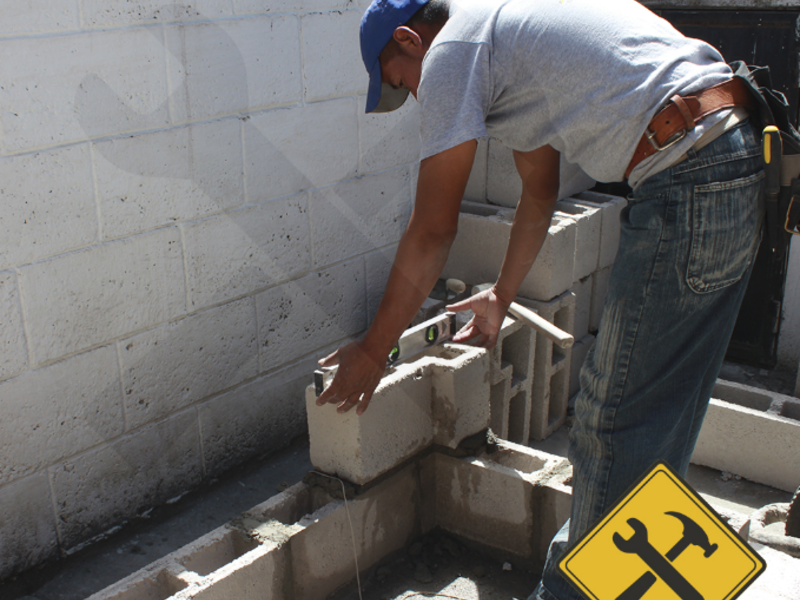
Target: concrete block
114,13
479,248
254,7
69,88
333,67
476,185
58,411
582,290
321,551
440,397
753,433
28,528
388,139
174,366
379,265
588,220
13,347
87,298
253,419
490,499
504,186
116,481
512,374
289,149
611,207
48,204
234,254
553,501
359,215
223,69
309,313
579,351
599,290
38,16
550,390
148,181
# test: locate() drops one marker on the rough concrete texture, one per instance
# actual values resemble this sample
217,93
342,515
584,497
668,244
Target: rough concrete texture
587,236
93,488
171,367
511,376
579,351
439,397
477,253
550,391
493,499
299,543
582,289
611,207
752,433
145,203
88,298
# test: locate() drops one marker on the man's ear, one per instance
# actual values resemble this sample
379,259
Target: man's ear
409,41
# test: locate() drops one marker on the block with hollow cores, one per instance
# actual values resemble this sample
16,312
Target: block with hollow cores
600,281
224,563
611,207
385,519
579,351
441,397
479,248
550,389
492,498
588,220
753,433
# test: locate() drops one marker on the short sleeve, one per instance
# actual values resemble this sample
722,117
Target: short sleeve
454,93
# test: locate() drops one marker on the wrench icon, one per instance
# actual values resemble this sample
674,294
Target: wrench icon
638,544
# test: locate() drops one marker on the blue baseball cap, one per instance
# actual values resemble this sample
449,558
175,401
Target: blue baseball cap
377,28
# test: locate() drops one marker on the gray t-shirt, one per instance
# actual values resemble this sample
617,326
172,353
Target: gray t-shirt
585,76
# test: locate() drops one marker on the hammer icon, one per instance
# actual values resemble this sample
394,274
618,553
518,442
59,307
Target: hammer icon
638,543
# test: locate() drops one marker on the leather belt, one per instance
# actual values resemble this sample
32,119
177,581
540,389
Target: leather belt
679,116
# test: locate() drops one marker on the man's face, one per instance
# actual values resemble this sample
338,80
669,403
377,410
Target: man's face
401,66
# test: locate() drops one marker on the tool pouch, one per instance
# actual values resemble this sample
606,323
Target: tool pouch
783,216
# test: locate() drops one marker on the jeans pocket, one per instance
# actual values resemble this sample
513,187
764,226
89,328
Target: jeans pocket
725,221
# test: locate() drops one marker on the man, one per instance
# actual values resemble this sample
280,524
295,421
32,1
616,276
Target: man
616,90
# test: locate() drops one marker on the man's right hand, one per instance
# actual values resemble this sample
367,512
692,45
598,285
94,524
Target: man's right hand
359,373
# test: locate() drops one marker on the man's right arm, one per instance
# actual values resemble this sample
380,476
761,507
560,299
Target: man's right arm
420,258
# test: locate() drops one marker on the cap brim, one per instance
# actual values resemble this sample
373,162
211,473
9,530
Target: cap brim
382,97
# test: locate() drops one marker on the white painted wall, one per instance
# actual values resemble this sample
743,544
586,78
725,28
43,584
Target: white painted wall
194,209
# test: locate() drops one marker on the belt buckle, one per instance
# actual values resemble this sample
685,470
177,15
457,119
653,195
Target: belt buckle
674,139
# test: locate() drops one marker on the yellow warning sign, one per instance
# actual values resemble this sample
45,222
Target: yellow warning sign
662,541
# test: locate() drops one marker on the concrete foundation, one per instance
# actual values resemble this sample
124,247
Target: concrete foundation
299,544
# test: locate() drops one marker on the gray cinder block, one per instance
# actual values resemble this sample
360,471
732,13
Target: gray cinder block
479,248
752,432
441,398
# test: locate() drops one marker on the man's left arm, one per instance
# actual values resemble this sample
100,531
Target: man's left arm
539,171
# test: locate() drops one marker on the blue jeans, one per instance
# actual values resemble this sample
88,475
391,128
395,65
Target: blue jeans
688,240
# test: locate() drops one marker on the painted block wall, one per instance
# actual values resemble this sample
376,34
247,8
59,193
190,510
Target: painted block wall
194,209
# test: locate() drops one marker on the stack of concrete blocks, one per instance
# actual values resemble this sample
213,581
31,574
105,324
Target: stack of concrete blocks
476,257
597,216
753,433
304,543
195,208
